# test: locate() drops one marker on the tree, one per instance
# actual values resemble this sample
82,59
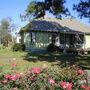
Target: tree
38,9
6,29
83,8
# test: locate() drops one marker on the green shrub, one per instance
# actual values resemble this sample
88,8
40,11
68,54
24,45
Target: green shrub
18,47
2,47
52,47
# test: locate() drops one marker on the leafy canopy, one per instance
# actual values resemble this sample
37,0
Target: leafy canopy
83,8
38,8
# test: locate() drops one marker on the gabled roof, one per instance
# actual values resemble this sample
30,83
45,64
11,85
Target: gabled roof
59,25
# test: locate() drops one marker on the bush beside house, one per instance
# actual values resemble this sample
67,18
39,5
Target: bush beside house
52,47
18,47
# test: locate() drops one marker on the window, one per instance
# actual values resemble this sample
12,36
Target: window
33,37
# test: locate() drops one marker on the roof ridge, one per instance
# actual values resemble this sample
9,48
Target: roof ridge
54,19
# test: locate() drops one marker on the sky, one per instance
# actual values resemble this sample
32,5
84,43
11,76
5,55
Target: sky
13,9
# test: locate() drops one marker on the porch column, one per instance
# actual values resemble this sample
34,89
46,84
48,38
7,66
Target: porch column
84,41
64,42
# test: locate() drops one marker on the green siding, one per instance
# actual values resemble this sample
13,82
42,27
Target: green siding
42,40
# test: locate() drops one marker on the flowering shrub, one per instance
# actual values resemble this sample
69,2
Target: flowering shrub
36,70
67,85
45,78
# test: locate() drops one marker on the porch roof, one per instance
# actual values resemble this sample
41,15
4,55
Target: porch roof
59,25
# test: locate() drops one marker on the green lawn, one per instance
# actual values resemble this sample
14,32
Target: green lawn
59,58
35,59
7,57
8,53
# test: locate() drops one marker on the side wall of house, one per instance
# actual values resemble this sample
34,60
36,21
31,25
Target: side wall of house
87,41
42,40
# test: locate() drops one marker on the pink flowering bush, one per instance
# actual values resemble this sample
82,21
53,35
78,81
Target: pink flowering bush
46,78
36,70
66,85
51,81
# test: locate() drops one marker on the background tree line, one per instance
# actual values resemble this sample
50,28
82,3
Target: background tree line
6,31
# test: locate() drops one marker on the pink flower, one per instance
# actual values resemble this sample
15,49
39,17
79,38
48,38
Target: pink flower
33,79
51,81
14,64
15,88
5,81
88,88
63,84
36,70
67,85
13,78
80,71
18,75
85,87
8,76
44,66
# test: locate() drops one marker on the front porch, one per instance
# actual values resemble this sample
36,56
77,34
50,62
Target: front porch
70,43
66,41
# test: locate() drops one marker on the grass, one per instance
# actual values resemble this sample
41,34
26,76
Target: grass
36,59
7,57
8,53
21,64
60,58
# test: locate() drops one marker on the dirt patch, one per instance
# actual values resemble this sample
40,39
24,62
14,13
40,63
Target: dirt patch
2,59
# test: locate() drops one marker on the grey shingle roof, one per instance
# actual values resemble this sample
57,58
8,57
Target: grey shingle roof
58,25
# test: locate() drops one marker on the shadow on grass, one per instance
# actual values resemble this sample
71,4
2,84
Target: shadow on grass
84,61
62,59
51,57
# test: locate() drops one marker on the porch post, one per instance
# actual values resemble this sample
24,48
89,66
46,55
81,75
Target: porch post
84,41
64,42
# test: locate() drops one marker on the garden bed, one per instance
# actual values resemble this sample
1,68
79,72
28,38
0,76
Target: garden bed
45,78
